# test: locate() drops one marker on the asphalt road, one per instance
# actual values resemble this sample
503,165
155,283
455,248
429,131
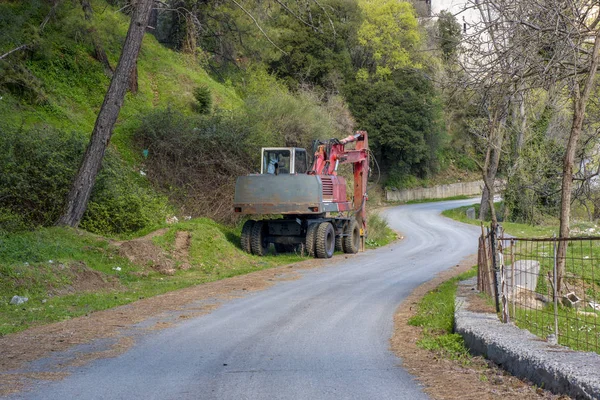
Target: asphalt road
324,336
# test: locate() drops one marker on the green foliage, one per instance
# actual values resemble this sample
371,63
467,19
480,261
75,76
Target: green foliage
203,97
37,166
122,202
403,118
282,118
533,190
319,55
379,232
449,34
389,33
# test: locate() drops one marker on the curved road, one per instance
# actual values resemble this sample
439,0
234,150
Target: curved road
324,336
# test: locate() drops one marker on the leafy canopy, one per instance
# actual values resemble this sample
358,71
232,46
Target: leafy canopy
390,33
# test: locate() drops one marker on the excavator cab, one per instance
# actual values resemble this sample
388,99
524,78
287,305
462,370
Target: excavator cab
283,160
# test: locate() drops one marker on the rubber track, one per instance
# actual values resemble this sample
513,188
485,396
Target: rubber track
256,239
321,240
246,235
311,233
349,246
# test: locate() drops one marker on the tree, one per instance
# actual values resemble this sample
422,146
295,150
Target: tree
492,77
389,34
82,186
582,87
403,117
551,42
448,35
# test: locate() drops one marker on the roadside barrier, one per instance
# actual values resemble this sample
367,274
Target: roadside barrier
554,297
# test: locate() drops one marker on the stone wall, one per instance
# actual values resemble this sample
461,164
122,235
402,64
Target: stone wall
436,192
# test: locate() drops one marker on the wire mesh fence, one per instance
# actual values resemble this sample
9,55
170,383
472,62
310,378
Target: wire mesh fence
557,298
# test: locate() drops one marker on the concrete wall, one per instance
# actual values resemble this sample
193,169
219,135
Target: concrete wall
436,192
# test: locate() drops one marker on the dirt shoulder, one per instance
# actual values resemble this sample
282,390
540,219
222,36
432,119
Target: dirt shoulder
448,379
118,325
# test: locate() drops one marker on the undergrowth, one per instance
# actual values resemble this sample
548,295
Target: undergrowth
436,316
379,232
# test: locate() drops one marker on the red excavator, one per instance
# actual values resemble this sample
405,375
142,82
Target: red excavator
308,207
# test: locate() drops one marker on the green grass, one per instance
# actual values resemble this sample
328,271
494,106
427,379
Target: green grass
576,331
514,229
379,233
39,265
36,265
435,314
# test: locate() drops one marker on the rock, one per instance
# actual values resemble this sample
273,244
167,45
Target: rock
471,213
16,300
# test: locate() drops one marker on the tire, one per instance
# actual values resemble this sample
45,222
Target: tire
311,234
258,238
325,240
352,241
245,236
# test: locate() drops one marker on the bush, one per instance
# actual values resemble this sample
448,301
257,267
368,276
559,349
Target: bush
121,203
11,222
280,118
203,98
196,159
38,166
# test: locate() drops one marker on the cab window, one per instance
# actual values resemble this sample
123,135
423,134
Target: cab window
276,162
300,162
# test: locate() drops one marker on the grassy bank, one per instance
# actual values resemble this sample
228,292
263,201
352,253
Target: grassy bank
435,316
66,273
512,228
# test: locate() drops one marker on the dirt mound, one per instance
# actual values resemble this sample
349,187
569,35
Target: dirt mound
85,279
182,247
144,252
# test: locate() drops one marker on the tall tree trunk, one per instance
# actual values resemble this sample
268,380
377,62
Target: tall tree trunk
189,42
99,52
133,80
83,184
490,168
580,104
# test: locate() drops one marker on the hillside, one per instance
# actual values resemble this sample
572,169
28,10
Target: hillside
181,138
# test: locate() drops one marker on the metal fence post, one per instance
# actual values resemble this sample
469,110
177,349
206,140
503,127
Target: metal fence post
495,267
555,293
505,316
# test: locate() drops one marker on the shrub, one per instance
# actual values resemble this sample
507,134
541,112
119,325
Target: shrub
121,203
203,98
196,159
38,166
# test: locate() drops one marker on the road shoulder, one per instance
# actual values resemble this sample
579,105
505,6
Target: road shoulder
448,379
